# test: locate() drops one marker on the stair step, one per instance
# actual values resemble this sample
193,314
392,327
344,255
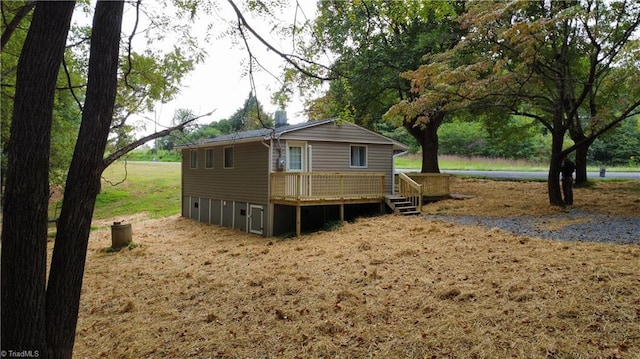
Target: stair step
406,208
410,213
402,203
393,197
397,200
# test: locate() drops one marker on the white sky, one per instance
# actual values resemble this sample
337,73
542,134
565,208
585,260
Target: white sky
219,84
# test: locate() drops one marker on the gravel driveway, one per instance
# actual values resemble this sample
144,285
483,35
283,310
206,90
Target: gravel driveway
575,225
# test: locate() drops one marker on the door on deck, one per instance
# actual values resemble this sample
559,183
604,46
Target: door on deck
298,160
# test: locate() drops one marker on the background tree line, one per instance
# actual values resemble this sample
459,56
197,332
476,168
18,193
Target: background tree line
520,140
619,147
570,67
250,116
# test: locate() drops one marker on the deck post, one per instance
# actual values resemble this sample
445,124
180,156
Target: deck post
298,221
341,212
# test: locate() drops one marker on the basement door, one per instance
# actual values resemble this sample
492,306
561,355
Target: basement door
256,219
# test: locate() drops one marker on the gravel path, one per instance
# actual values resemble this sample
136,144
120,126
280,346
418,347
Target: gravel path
574,225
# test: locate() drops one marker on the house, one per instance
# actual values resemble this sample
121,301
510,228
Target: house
289,178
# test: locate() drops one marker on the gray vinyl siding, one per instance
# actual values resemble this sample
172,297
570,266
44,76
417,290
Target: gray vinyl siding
205,206
247,181
186,203
346,132
240,216
331,149
195,208
216,211
331,156
227,213
335,155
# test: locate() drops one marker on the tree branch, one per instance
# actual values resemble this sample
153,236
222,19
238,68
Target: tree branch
287,58
133,33
13,25
130,147
73,93
630,112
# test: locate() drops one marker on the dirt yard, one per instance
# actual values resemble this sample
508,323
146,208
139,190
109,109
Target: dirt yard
381,287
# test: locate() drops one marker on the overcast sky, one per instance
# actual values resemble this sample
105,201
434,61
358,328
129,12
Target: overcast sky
220,84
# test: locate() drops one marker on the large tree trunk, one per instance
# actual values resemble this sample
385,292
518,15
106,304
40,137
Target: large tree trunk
427,136
581,161
24,224
83,182
553,180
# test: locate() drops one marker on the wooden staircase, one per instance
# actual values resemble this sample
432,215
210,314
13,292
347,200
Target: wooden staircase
401,205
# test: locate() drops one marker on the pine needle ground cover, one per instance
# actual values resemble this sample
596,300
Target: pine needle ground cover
381,287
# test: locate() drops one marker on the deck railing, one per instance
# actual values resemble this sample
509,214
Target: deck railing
433,184
410,189
318,186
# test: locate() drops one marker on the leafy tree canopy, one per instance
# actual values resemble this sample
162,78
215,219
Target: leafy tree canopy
555,62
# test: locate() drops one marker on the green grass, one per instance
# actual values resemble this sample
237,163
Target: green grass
152,187
449,162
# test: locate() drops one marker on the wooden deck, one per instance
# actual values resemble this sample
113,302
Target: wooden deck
317,188
301,189
326,188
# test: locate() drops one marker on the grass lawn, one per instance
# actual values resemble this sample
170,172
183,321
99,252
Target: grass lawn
139,187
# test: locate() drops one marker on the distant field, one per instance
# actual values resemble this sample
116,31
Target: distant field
451,162
152,187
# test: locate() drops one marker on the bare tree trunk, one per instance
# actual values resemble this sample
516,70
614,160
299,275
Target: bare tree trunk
427,137
83,182
581,162
24,224
553,180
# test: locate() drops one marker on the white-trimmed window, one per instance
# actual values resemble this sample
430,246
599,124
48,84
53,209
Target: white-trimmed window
295,158
194,158
228,157
208,158
358,156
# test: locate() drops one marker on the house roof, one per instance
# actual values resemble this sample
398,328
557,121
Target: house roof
267,133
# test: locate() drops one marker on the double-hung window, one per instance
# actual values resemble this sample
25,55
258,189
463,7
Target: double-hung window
194,158
358,156
228,157
295,158
208,158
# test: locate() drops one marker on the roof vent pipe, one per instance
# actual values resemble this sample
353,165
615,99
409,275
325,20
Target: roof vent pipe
281,118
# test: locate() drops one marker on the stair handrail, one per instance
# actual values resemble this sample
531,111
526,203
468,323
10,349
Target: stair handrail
410,189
